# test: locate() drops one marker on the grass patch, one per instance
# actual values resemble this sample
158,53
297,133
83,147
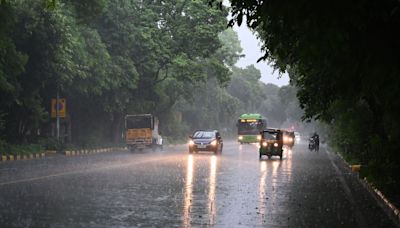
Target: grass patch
21,149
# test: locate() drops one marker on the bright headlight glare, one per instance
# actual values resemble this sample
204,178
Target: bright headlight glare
240,137
214,143
275,144
285,138
264,144
191,143
258,137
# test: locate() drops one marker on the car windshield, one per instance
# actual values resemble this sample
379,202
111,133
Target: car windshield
270,135
250,127
203,134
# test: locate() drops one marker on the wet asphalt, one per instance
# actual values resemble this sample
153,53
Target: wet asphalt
173,188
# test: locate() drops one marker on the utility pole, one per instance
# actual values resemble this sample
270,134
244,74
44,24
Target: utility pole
58,116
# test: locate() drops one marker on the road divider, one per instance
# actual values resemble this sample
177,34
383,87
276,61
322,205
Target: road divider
92,151
16,157
76,152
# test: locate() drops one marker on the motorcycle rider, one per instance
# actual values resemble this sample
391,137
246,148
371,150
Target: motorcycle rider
315,138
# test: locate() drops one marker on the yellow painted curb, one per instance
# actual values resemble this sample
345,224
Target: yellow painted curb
50,152
12,157
355,168
90,151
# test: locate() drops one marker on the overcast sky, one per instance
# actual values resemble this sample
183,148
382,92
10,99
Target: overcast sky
251,49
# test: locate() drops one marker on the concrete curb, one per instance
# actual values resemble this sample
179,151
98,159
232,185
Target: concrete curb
92,151
379,196
11,157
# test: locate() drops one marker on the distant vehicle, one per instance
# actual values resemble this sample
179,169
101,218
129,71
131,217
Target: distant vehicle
141,131
297,136
271,143
249,127
206,140
288,138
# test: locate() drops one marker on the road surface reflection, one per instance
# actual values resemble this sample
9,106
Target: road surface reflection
262,189
189,186
211,193
188,191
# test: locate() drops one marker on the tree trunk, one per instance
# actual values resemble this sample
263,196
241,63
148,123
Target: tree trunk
117,128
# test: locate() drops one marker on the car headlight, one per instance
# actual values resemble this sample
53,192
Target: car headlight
214,143
275,144
191,143
258,137
290,139
240,137
264,144
285,138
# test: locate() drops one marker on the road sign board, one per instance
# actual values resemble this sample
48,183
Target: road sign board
61,108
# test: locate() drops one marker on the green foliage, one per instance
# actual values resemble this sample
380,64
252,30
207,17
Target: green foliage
7,149
108,58
344,63
231,49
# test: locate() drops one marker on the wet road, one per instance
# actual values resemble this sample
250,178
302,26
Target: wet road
174,189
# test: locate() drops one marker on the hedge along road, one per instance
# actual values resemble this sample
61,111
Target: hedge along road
172,188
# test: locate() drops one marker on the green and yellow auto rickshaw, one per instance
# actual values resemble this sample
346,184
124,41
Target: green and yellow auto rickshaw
271,143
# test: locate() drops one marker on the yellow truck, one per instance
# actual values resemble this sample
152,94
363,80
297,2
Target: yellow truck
141,131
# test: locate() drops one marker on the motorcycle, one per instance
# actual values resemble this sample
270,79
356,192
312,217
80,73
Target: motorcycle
313,144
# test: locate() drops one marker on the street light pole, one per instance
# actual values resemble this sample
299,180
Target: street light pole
58,116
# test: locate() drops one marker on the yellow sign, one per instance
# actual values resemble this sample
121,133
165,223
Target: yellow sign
248,121
61,108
